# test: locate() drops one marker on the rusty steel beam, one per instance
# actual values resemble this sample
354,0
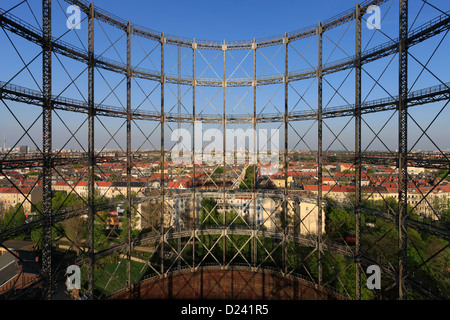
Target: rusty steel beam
47,148
357,163
402,148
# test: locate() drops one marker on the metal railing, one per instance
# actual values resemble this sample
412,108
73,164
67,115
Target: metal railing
377,51
387,101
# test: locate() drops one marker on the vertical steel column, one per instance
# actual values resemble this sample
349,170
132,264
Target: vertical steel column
178,215
224,122
255,157
357,208
47,148
179,86
129,160
91,140
163,80
319,156
402,147
285,157
194,156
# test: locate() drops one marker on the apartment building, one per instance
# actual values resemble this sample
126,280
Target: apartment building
104,188
10,197
263,211
426,201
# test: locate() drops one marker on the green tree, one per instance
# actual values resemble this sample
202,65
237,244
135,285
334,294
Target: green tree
123,236
249,179
60,200
443,173
101,240
337,219
219,170
209,215
12,218
37,234
75,229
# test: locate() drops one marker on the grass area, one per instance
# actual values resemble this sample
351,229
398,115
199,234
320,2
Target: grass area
110,275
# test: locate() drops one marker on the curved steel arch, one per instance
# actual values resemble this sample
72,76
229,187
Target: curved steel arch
419,34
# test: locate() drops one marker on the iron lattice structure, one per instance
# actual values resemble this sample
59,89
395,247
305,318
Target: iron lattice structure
228,216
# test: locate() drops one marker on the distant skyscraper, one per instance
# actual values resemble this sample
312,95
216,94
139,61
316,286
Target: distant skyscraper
23,149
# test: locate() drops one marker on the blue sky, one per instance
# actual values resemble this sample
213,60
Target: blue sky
233,20
239,19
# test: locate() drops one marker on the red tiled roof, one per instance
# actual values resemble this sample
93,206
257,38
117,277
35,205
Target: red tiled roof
103,184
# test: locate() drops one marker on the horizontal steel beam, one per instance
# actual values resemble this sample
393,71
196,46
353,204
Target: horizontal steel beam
419,97
417,35
310,31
